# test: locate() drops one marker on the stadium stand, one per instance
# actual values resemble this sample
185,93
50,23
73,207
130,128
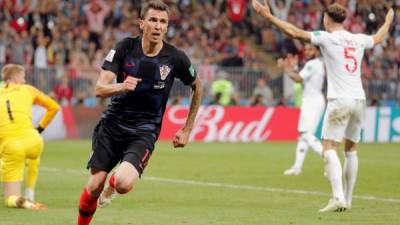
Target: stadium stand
62,44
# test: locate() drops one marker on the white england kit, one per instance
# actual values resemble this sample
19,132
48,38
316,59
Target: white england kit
342,54
313,101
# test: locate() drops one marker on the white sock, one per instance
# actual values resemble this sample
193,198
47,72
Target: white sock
334,172
314,143
30,194
350,171
301,151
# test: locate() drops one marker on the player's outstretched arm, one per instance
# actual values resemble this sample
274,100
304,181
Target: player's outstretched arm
384,29
287,28
182,136
105,86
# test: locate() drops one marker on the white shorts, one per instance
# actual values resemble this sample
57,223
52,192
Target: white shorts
343,119
311,112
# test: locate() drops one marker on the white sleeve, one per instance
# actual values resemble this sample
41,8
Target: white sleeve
367,40
319,38
307,71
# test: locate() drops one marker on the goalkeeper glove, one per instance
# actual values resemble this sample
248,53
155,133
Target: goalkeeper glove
40,129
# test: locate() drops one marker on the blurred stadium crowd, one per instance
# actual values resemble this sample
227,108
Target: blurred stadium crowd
62,44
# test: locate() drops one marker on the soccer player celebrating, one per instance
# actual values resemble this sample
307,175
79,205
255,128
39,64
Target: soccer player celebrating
342,53
312,77
145,68
19,140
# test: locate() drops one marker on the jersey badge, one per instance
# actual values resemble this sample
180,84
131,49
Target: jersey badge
164,71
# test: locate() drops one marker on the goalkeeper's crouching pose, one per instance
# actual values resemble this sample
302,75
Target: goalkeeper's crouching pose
20,141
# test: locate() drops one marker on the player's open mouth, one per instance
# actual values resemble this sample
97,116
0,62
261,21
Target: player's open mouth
156,34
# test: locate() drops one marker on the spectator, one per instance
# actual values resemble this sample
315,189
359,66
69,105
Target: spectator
212,32
3,48
96,12
41,77
222,89
18,50
63,91
262,94
281,8
236,13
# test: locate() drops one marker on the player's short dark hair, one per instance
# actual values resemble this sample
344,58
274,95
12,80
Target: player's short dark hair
153,4
336,12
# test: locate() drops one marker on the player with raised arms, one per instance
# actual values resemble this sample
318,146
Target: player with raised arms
342,53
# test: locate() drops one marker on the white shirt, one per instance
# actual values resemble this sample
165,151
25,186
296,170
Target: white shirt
342,54
40,57
313,74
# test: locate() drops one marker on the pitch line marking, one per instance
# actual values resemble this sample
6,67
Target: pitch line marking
232,186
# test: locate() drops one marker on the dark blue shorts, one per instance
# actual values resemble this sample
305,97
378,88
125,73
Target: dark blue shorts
109,147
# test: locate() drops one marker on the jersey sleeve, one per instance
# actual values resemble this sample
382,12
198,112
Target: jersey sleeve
307,71
367,40
45,101
319,38
115,56
185,70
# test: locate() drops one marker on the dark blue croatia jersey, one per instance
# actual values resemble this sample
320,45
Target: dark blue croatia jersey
143,108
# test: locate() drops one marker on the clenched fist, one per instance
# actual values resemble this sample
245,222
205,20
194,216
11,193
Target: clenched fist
181,138
130,83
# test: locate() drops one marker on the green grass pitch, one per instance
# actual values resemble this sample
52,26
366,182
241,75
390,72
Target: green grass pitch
218,184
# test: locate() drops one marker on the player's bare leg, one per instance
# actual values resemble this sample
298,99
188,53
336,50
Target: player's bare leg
12,183
89,196
333,170
11,188
121,182
350,170
13,198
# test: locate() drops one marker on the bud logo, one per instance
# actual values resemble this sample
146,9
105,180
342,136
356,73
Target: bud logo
234,124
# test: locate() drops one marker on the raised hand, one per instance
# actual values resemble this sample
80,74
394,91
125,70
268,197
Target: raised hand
390,15
262,9
290,63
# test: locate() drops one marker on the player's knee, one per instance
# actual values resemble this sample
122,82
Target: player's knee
95,188
329,144
123,187
302,137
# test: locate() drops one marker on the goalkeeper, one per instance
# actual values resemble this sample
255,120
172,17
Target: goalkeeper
20,142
